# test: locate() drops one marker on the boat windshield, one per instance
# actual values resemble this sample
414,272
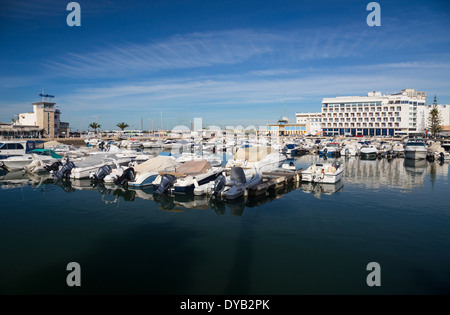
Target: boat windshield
416,143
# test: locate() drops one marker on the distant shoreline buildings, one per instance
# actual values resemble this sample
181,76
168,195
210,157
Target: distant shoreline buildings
43,122
399,114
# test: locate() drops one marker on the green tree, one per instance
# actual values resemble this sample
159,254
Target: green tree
434,119
122,125
95,126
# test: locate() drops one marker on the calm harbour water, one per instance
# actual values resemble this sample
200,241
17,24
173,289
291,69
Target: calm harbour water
304,240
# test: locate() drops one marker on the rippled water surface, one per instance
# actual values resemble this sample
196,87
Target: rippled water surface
313,239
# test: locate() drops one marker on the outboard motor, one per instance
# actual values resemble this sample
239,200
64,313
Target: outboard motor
166,183
53,167
441,157
219,184
238,175
101,145
65,171
101,173
128,175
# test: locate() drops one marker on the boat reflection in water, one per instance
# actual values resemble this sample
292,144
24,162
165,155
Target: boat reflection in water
319,189
398,173
17,179
413,167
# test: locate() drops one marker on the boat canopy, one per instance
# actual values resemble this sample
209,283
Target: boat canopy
158,163
193,167
252,154
52,153
34,144
95,159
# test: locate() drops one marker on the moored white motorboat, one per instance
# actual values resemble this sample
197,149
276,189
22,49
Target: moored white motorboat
152,144
368,152
327,173
232,186
349,150
21,161
261,158
92,163
186,177
416,149
212,159
146,172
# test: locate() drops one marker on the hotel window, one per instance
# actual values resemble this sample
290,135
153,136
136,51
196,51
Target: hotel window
385,109
364,125
389,125
391,109
370,125
372,109
377,124
379,109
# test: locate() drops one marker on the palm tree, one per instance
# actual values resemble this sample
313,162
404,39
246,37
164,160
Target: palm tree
122,125
95,126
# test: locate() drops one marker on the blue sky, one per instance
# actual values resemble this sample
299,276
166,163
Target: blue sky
229,62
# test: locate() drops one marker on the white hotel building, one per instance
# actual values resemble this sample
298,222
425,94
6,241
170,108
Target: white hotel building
375,114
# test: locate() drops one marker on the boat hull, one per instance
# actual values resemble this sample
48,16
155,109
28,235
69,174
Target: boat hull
186,189
144,180
415,155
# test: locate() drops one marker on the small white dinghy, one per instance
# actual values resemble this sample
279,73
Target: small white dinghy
327,173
